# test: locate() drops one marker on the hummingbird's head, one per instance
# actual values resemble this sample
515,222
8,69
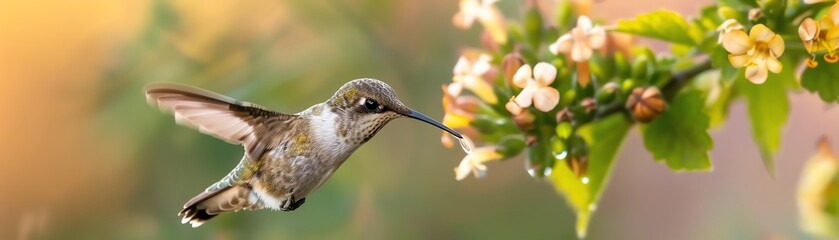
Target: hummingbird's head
369,104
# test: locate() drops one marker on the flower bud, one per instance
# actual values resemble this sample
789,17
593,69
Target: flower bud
755,14
577,160
564,115
588,105
607,93
513,107
524,121
640,68
467,104
511,63
645,103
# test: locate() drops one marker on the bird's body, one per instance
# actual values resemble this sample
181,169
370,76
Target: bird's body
287,156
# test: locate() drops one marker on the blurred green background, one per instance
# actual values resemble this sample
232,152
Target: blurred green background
85,157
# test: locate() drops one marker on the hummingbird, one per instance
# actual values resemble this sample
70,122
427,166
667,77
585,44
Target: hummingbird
286,156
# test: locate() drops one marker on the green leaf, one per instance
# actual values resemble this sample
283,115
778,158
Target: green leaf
717,94
663,25
719,59
679,136
822,80
606,136
768,110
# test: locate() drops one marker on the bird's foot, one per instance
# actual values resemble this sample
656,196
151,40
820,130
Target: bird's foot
291,204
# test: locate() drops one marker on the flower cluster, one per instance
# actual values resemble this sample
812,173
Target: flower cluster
821,35
558,82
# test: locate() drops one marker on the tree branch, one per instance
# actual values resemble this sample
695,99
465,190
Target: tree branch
676,83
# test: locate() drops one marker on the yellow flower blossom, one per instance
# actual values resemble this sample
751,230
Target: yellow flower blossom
536,87
474,162
470,71
486,13
821,36
758,51
580,41
816,1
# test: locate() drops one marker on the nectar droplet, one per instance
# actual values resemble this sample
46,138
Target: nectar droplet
466,144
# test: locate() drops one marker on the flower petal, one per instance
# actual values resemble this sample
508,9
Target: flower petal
481,65
545,99
446,140
463,169
522,76
738,61
454,89
544,73
808,30
761,33
736,42
776,46
477,85
833,13
513,107
493,21
484,154
596,37
525,97
584,23
462,66
562,45
756,74
580,52
774,65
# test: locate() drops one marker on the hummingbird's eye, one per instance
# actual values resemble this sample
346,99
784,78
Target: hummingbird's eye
372,105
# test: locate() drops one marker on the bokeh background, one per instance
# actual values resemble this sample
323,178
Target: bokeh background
84,157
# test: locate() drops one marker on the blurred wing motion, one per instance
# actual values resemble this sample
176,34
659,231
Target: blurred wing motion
217,115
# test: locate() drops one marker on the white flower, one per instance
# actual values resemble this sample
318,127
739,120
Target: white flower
536,87
469,72
485,12
474,162
581,41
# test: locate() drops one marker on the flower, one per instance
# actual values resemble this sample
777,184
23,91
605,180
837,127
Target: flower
815,1
536,87
581,41
816,191
470,71
821,35
758,51
474,162
728,26
485,12
459,111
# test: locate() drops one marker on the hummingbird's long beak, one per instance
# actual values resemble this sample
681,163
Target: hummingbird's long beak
419,116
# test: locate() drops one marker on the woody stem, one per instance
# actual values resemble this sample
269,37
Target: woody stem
676,83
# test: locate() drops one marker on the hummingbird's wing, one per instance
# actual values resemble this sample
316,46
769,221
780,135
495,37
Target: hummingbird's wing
226,118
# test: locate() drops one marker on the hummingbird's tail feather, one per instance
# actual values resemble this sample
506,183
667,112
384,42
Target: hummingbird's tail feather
207,205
